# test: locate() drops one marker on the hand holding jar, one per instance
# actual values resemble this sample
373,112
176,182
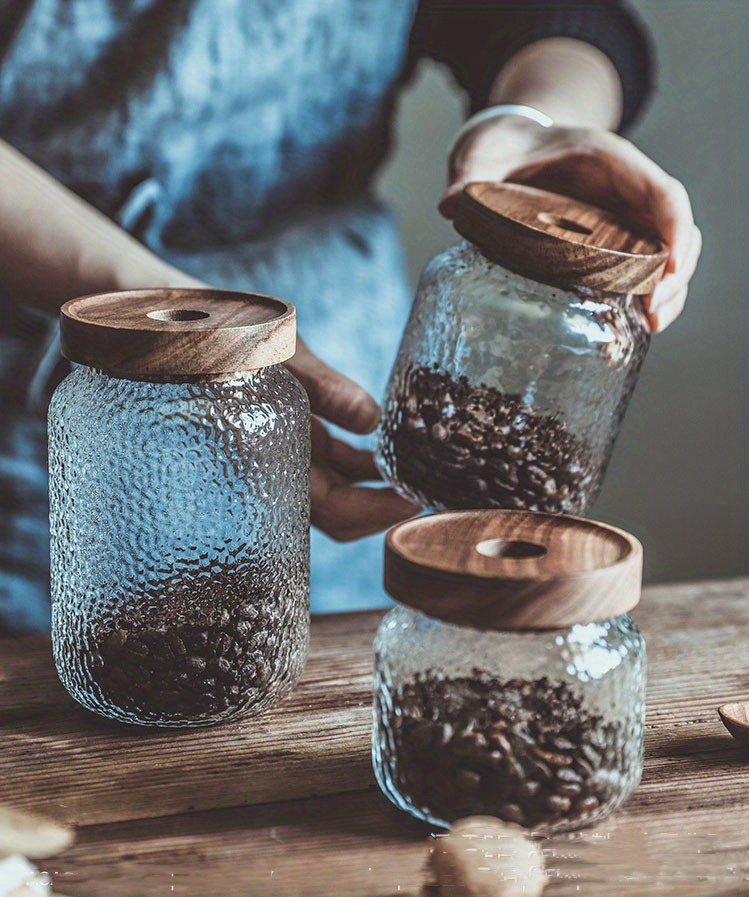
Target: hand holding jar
573,150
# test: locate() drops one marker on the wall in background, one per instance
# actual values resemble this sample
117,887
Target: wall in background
677,479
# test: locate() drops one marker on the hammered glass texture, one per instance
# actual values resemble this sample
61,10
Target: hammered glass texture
185,505
572,355
604,663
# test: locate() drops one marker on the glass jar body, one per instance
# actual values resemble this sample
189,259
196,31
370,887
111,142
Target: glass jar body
543,729
179,515
506,392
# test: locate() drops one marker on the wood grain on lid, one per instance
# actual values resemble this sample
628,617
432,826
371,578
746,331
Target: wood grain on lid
513,569
177,332
558,240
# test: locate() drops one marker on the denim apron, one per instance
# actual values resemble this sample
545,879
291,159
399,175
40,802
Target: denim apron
238,139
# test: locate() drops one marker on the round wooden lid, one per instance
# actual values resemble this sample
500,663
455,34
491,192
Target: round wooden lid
513,569
558,240
177,332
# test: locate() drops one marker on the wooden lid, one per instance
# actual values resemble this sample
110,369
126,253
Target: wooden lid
513,569
177,332
558,240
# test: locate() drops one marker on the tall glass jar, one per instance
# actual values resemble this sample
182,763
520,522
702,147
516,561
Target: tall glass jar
520,356
179,506
510,680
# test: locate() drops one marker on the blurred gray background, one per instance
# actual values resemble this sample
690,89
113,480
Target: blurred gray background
677,479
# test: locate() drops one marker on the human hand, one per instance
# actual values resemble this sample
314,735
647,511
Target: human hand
342,508
596,166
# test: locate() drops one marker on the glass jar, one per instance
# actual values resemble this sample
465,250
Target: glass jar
179,506
489,697
520,356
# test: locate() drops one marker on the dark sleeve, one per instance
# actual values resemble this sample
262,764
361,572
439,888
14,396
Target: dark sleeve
475,39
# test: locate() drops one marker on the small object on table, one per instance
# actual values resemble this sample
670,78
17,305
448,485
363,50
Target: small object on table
484,857
32,835
510,680
18,878
735,717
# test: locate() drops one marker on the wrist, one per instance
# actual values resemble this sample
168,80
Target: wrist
515,134
148,271
568,79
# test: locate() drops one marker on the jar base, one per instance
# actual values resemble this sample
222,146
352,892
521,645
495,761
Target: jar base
388,788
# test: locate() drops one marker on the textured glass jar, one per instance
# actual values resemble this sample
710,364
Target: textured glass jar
541,725
513,374
179,509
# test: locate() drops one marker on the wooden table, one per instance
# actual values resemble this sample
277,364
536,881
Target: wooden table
307,818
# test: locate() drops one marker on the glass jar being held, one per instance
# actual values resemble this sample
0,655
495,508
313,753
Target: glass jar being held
179,506
510,680
521,353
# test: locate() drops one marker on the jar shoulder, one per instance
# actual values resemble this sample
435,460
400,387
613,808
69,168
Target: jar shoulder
591,650
270,405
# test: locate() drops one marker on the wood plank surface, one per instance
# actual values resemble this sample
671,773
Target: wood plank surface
320,827
83,769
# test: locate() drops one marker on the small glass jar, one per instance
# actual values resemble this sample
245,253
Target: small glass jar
489,699
520,356
179,506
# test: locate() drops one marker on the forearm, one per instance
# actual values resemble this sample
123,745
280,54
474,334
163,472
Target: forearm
571,81
54,246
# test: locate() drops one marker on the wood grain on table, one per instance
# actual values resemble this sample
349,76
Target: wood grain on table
287,804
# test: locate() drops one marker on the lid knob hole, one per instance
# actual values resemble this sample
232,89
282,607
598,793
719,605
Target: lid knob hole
517,549
178,314
563,223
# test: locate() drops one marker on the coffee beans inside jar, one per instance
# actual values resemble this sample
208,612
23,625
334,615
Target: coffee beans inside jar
525,751
208,646
455,444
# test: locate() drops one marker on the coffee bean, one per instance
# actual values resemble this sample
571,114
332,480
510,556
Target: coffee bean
569,789
558,803
477,745
500,741
467,780
550,757
537,769
529,789
511,813
587,805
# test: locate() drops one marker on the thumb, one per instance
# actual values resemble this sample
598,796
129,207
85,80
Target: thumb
332,395
448,204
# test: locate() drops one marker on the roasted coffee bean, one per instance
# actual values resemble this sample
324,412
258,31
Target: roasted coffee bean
456,444
551,758
529,789
511,813
512,749
569,789
468,780
558,803
587,805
